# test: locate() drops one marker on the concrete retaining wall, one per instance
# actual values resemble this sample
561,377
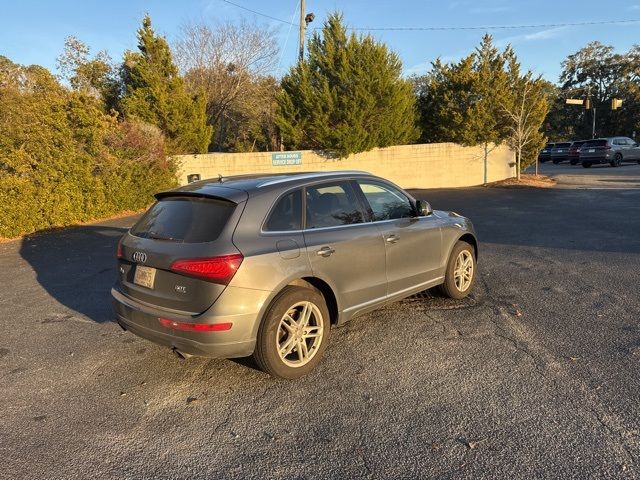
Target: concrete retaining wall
438,165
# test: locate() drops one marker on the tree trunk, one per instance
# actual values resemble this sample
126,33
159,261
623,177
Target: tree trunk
518,163
486,160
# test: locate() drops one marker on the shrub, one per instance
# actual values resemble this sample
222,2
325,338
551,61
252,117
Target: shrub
63,160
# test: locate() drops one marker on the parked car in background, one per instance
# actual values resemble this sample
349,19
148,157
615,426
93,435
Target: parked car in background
266,264
560,152
611,150
545,153
574,152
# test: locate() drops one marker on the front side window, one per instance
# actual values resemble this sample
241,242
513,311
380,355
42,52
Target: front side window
332,205
387,203
287,214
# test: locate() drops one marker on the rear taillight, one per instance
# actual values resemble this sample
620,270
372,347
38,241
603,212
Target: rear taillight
216,269
195,327
119,250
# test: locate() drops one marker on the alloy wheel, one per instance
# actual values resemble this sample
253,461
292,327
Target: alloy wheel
463,271
300,333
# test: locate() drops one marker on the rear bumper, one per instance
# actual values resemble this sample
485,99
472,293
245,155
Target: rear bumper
239,341
595,160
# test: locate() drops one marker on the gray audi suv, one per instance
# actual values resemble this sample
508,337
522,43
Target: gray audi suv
265,265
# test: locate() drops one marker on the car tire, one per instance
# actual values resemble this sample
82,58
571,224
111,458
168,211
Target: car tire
277,333
454,286
555,162
586,164
617,160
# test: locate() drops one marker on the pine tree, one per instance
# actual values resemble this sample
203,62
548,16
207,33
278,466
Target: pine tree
155,93
348,96
484,100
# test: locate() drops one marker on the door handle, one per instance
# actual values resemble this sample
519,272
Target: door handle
325,251
392,238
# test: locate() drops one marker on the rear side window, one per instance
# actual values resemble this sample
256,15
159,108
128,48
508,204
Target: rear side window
185,219
387,203
332,205
562,145
596,143
287,214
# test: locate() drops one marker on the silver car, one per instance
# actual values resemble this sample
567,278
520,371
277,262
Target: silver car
612,150
264,265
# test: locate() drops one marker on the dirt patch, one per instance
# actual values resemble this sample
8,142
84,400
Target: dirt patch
526,181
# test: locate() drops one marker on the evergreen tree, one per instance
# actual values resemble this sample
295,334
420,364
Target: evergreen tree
155,93
348,96
484,100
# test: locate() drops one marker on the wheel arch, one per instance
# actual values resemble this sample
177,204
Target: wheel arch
471,240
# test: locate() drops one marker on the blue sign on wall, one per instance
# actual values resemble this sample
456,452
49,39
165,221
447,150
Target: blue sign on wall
286,158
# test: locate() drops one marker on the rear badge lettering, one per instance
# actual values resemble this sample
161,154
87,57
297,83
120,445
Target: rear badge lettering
181,289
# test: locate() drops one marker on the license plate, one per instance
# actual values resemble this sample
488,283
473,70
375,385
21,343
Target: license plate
560,151
591,150
144,276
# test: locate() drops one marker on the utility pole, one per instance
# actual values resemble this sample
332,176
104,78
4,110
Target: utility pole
593,128
305,20
303,26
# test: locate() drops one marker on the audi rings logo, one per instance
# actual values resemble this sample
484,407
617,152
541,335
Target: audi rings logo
139,257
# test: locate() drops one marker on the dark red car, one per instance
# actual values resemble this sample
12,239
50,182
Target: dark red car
574,152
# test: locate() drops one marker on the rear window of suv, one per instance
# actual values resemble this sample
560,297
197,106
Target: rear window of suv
185,219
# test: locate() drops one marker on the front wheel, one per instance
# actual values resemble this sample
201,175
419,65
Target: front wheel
293,334
617,160
461,271
586,164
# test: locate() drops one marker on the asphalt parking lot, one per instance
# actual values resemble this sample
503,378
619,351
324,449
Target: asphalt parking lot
534,376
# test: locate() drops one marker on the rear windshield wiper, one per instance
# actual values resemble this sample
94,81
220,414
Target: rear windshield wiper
156,236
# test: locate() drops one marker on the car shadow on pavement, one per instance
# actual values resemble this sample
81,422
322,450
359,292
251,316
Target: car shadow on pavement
76,266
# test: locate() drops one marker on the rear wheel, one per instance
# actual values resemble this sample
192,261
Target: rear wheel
461,271
293,334
586,164
555,162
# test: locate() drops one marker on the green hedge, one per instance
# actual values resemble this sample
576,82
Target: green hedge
64,161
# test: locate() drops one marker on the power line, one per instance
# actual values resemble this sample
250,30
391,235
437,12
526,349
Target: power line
260,13
498,27
451,28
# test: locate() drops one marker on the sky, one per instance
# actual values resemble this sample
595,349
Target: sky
33,32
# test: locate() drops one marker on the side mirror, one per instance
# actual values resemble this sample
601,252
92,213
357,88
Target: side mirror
423,208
